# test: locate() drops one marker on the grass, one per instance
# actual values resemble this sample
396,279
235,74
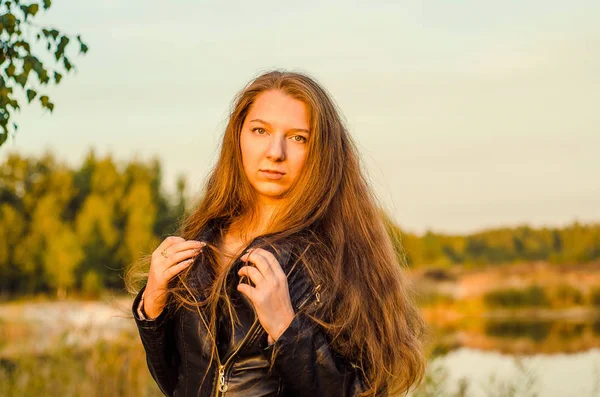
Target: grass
115,368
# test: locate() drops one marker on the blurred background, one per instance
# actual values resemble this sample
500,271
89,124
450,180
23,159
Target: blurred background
477,122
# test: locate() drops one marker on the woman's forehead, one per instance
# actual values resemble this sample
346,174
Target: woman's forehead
278,110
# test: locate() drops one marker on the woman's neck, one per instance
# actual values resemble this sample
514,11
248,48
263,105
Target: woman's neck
252,225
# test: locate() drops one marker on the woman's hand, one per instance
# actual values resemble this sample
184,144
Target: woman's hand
172,256
270,296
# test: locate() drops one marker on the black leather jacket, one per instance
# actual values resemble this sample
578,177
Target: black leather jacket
178,349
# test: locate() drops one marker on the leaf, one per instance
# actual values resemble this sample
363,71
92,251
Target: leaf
8,22
60,48
84,48
10,70
44,100
33,9
57,77
27,64
22,79
47,4
50,106
44,78
67,64
42,73
23,44
31,95
14,104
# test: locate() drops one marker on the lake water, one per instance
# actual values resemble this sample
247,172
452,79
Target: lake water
555,375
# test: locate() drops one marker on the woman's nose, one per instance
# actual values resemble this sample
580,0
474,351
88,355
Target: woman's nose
276,148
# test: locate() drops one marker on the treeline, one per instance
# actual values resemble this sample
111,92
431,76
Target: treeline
64,229
76,230
575,244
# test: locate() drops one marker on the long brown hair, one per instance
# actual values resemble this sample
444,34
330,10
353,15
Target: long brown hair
366,310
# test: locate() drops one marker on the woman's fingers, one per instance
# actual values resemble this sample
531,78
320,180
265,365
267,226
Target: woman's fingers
253,273
247,290
270,297
266,274
173,270
172,256
178,244
181,256
262,260
168,242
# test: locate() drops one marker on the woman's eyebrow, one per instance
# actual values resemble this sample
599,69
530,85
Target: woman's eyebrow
291,129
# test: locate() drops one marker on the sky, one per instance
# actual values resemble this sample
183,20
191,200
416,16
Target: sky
468,115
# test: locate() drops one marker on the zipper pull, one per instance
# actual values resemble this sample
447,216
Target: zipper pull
222,384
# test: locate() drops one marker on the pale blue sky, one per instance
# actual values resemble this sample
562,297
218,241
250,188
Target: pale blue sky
468,114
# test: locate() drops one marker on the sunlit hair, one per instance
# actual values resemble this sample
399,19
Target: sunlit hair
331,215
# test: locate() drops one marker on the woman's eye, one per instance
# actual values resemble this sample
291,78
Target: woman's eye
299,138
258,130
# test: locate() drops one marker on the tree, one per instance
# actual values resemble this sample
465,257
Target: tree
20,55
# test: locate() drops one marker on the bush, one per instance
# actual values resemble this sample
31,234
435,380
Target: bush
513,298
566,295
91,284
595,297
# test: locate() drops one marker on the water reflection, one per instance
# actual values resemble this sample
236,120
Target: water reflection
536,331
556,375
520,336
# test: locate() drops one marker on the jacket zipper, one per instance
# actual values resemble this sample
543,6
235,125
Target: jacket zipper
314,292
222,388
223,367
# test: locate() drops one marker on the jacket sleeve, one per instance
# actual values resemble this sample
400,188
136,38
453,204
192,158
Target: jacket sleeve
308,366
158,341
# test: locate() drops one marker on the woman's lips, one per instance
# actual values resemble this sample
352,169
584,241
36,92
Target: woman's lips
271,174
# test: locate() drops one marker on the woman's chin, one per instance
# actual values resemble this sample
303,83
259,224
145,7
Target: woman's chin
271,194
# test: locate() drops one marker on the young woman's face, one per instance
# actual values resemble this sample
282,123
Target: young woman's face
273,141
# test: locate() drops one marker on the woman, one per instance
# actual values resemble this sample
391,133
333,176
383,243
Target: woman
283,280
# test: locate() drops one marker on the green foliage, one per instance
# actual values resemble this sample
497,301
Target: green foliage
92,284
595,297
20,55
537,331
565,295
572,245
515,298
64,230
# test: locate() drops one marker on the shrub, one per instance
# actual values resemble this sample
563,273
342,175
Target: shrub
595,297
566,295
514,297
